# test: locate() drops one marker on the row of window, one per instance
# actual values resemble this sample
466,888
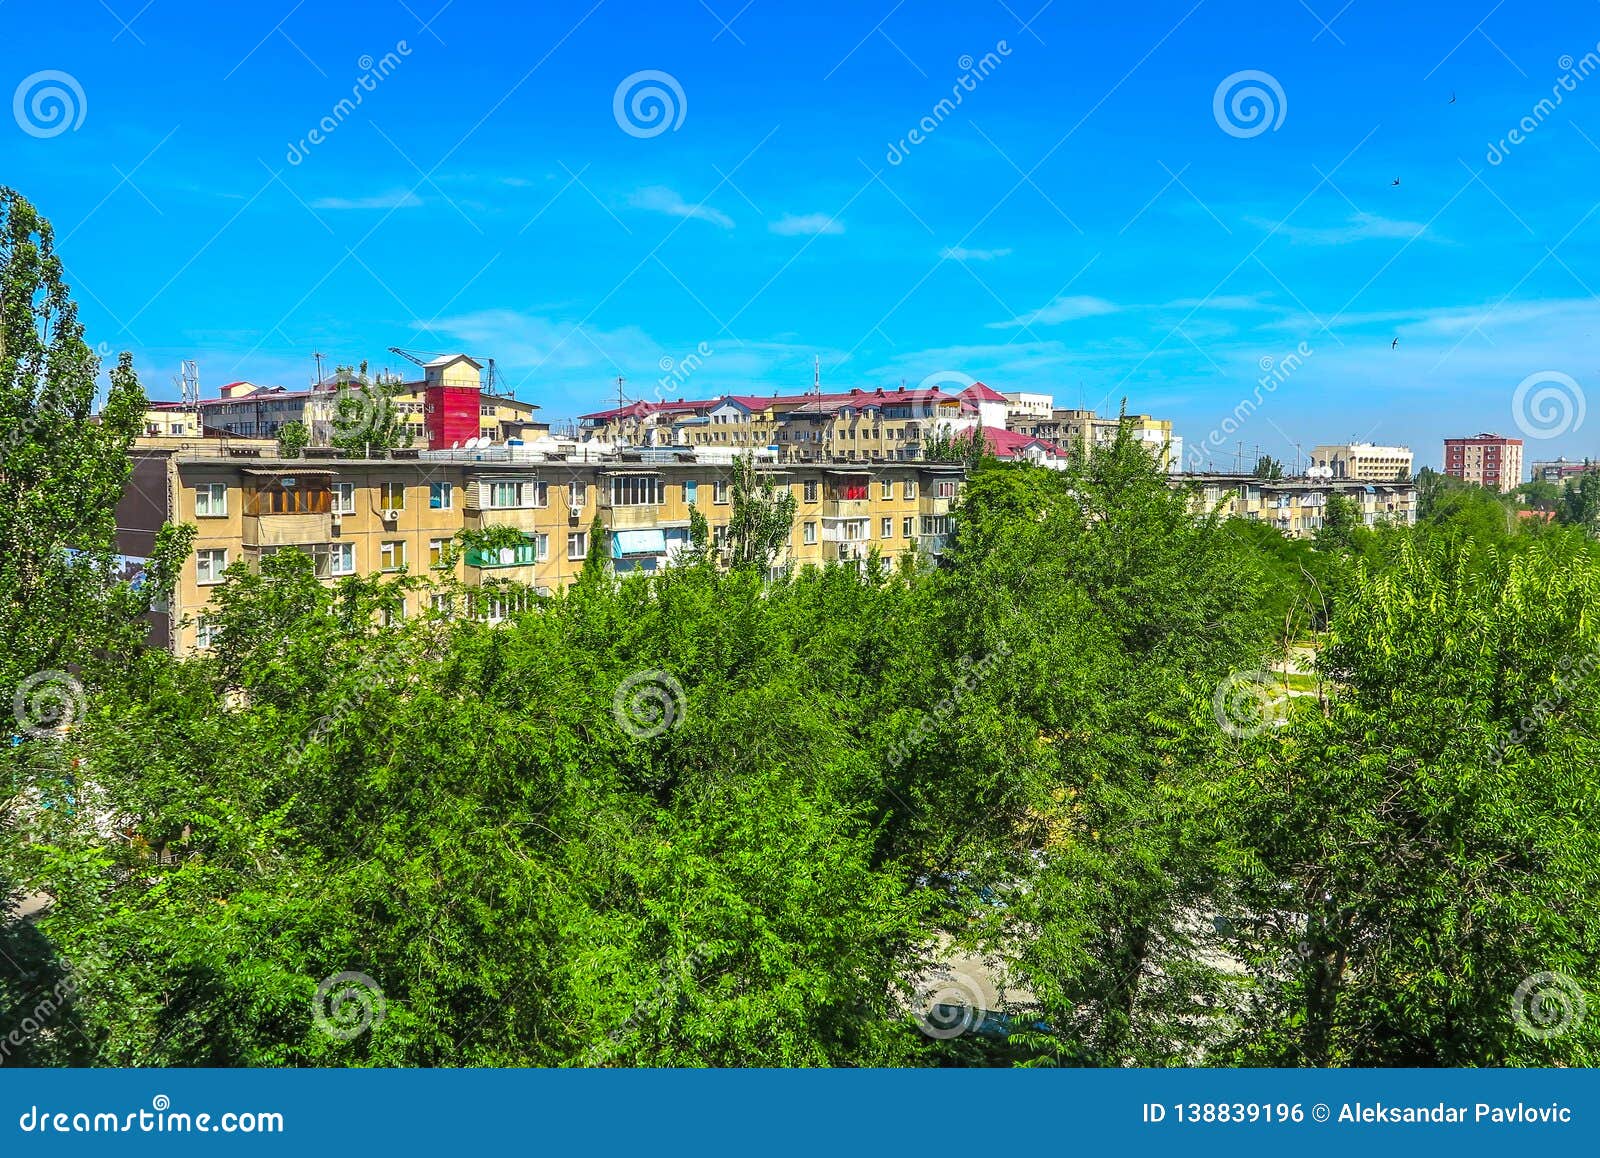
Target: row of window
859,530
290,496
330,560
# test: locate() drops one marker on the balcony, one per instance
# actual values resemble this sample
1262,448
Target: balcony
634,518
286,530
839,508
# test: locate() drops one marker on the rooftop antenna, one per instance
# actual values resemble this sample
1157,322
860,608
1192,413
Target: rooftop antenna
318,356
622,399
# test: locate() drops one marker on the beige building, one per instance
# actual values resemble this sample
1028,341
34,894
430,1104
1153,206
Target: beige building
1297,507
401,516
1363,461
1079,431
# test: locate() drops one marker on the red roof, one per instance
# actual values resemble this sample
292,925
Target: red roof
978,392
1010,444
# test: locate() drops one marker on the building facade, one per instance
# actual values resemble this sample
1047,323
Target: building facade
1363,461
1298,506
1489,460
401,516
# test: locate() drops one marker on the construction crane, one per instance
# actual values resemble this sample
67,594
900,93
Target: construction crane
420,358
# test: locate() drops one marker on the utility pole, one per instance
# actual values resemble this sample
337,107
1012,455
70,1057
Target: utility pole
318,356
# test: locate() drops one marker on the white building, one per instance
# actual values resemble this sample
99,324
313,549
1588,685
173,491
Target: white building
1363,461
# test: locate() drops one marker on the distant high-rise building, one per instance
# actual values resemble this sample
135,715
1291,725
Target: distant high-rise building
1490,460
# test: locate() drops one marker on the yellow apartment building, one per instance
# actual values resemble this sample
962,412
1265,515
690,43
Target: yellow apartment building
401,515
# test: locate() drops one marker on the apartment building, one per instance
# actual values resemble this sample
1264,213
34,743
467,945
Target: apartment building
1363,461
856,425
400,515
1489,460
447,405
1080,431
1297,507
1558,470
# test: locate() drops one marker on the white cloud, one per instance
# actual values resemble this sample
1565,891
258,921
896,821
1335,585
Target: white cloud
394,199
811,224
1066,308
660,199
957,253
1359,227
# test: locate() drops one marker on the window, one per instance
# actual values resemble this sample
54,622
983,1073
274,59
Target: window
811,532
289,496
440,604
393,615
210,564
719,491
211,500
206,632
344,498
577,544
436,550
691,491
394,496
541,547
888,528
909,489
507,493
811,491
947,490
905,527
635,490
341,559
886,489
392,554
935,524
440,496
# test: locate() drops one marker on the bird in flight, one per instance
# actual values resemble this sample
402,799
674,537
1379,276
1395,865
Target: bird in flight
1394,343
1396,181
1452,98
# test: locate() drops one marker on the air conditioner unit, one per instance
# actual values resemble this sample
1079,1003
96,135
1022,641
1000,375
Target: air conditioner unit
337,515
390,516
575,509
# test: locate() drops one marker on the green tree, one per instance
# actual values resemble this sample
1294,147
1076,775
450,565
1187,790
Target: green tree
366,418
293,437
1413,856
760,520
1268,467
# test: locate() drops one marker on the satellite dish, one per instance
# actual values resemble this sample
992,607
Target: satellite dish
456,445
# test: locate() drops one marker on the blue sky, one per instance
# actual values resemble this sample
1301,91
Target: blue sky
1082,223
